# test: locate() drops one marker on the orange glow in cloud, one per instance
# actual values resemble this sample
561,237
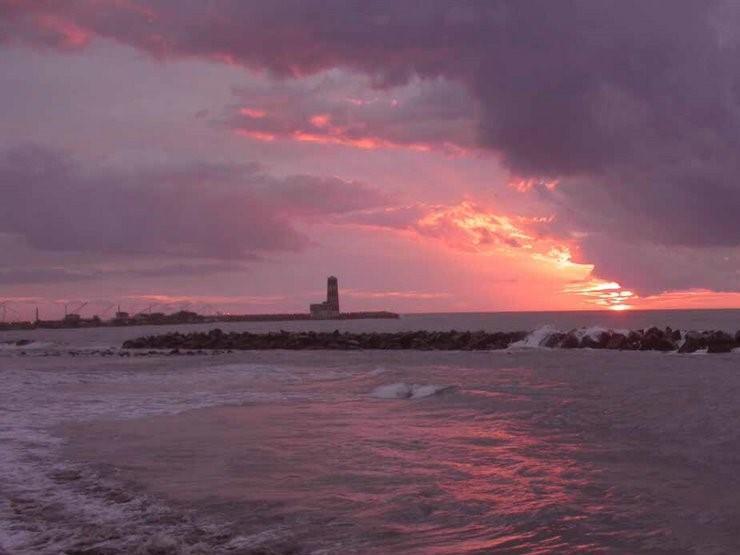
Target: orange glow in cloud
321,130
470,227
359,101
252,113
72,35
691,298
491,243
257,135
365,143
417,295
335,136
320,120
603,294
524,185
611,295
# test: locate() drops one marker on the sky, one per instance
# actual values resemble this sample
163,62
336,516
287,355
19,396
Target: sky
227,156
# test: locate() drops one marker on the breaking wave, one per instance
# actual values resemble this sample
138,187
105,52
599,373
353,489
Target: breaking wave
53,505
408,391
25,345
650,339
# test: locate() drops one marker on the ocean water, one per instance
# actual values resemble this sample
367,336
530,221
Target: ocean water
527,450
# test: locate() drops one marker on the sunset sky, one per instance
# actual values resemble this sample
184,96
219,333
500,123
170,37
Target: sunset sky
435,156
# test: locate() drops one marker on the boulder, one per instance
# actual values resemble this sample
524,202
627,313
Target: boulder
598,342
720,348
616,341
693,341
588,342
554,340
655,339
570,341
720,342
657,343
634,340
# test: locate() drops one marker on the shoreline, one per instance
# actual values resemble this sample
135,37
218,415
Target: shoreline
178,319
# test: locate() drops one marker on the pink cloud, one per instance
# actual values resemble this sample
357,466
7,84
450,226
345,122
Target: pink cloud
413,295
326,110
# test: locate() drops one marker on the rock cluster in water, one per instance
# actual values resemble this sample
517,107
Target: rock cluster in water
652,339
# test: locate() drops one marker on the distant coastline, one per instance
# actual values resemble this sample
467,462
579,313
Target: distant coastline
186,317
325,310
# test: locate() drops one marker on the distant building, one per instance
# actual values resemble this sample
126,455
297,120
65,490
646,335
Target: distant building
330,307
72,319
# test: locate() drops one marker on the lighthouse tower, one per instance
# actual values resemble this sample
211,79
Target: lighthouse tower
332,294
330,307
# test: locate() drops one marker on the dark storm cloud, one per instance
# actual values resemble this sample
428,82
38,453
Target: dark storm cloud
653,269
638,95
221,211
634,106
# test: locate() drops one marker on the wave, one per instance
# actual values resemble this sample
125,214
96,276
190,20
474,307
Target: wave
544,334
52,504
535,339
408,391
26,345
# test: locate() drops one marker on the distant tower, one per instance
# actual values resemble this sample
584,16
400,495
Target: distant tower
332,294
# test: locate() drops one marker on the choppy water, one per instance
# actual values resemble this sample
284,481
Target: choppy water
523,451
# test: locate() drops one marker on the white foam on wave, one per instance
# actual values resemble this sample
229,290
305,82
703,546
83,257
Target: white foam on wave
593,332
408,391
534,339
51,505
32,346
539,336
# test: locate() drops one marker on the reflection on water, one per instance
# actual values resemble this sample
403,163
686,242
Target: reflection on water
526,454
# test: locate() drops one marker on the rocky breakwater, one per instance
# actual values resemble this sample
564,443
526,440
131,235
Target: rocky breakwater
651,339
417,340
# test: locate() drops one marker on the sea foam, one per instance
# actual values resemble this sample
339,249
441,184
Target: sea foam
408,391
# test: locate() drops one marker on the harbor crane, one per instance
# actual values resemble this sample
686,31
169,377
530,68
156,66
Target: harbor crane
147,310
107,310
82,305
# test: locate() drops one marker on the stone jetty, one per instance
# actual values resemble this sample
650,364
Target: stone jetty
651,339
408,340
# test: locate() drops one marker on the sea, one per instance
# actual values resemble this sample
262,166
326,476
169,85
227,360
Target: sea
523,450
